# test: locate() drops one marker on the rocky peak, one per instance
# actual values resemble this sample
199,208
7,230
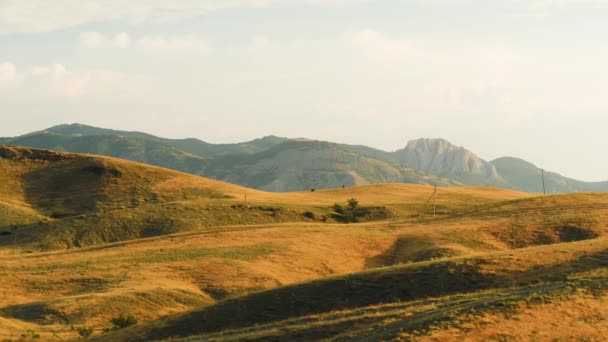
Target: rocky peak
440,157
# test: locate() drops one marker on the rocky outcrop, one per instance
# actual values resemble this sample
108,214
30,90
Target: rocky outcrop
440,157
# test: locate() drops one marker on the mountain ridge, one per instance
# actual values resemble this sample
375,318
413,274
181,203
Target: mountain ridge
282,164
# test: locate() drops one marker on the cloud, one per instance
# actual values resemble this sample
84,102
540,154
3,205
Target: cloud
44,15
146,43
122,40
259,42
8,72
57,81
168,43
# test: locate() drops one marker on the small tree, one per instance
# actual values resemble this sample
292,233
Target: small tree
338,209
353,204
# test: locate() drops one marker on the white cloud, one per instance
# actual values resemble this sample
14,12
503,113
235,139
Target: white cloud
164,43
44,15
259,42
8,72
146,43
57,81
122,40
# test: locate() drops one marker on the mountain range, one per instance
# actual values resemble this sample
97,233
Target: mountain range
281,164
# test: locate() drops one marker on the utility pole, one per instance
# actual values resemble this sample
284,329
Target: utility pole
542,175
245,210
435,200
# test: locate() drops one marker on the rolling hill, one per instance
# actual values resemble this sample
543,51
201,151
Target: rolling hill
88,239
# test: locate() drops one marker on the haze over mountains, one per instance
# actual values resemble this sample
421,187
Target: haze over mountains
281,164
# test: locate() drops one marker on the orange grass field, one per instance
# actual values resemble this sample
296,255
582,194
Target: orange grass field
85,239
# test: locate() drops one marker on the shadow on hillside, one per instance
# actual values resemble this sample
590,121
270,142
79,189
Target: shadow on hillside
407,249
369,288
39,312
67,188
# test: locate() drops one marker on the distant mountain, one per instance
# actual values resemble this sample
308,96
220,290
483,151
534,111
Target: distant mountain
521,175
119,146
281,164
305,164
270,163
189,145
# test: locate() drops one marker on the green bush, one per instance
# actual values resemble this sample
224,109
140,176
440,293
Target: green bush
121,321
309,214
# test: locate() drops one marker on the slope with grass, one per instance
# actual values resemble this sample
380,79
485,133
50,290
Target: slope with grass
541,253
186,256
181,241
61,200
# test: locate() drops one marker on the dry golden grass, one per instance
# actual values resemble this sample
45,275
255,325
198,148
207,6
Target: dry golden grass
206,248
583,317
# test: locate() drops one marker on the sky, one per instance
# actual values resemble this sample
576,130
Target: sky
502,78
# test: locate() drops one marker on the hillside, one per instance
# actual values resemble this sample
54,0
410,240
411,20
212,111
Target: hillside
61,200
501,265
92,237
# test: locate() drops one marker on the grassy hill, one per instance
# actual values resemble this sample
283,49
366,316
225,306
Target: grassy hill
93,237
100,237
58,200
514,257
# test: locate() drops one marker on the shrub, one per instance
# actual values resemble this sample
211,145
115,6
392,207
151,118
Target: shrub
122,321
353,204
309,214
85,331
338,209
30,334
